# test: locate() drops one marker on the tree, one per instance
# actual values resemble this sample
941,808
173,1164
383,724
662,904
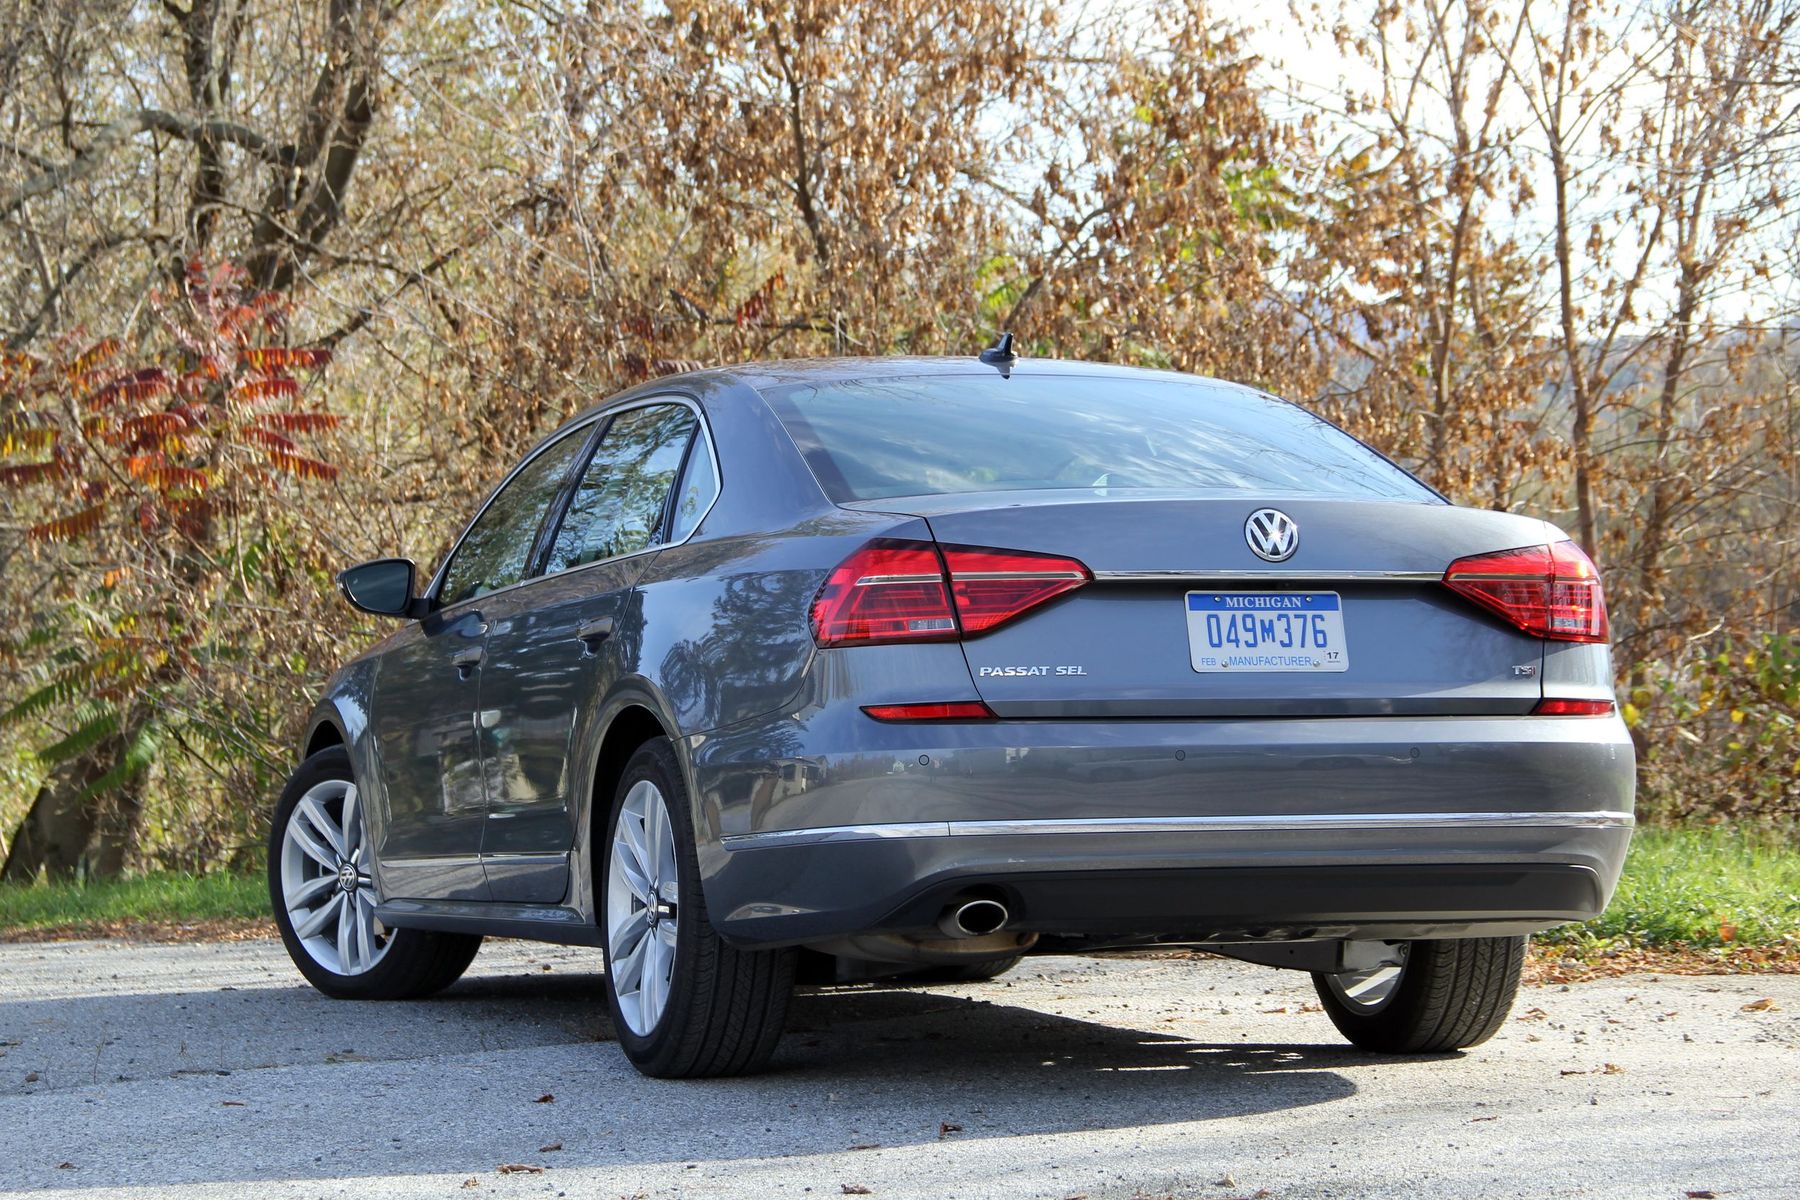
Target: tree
153,486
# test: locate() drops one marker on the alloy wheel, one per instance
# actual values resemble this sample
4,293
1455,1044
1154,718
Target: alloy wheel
325,881
1367,992
642,906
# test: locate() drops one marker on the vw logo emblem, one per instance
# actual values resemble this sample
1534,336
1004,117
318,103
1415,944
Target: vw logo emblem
1272,534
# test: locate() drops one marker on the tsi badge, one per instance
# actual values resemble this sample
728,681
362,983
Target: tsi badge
1008,672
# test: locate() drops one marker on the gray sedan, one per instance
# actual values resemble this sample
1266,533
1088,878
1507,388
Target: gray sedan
904,669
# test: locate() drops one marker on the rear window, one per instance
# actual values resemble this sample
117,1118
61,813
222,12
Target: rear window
940,435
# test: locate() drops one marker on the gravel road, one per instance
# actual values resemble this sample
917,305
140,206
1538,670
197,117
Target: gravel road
210,1071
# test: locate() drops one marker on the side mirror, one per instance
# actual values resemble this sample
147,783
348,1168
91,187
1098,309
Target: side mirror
383,587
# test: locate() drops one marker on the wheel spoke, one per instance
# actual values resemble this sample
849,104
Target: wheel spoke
322,825
318,919
352,822
303,895
650,991
628,969
310,845
656,833
631,869
346,939
1371,982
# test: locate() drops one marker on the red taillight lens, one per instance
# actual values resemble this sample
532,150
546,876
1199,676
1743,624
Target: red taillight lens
1573,708
1550,591
958,710
994,586
899,591
888,591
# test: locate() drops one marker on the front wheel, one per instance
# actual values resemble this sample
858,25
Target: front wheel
685,1004
324,896
1428,997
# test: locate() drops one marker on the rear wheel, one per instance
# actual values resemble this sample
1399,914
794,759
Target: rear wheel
323,892
684,1003
1429,998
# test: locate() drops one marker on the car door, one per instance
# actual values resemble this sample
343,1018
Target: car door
427,687
556,645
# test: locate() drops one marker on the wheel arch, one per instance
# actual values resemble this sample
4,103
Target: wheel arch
630,717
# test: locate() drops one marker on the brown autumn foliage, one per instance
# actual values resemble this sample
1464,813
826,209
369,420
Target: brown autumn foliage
1541,253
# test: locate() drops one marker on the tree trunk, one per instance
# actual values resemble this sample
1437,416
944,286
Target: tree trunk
68,833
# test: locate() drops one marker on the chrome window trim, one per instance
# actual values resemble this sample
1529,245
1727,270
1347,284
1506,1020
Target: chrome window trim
1272,576
1224,824
605,414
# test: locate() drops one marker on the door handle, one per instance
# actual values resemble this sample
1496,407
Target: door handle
592,633
466,661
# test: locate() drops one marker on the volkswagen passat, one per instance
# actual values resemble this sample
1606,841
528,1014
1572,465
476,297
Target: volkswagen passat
896,666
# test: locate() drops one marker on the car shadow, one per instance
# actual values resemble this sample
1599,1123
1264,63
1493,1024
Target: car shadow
458,1083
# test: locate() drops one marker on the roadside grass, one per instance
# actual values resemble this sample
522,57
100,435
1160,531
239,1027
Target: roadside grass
1701,887
162,897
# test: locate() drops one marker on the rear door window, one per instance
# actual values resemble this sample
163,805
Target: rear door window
618,506
872,439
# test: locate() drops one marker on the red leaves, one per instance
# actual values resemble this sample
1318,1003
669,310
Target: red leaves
306,468
28,473
95,356
134,388
300,422
155,470
67,529
284,358
277,387
753,309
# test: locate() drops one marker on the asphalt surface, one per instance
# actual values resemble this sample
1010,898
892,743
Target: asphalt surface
211,1071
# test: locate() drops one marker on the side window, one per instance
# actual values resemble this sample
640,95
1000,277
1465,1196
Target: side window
694,495
496,551
619,503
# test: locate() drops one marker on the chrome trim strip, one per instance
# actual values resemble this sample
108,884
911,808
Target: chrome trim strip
1234,824
1272,576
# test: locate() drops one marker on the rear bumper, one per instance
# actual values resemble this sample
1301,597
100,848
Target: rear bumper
1198,831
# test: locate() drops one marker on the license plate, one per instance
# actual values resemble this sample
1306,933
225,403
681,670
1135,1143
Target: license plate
1266,631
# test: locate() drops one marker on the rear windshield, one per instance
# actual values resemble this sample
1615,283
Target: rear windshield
940,435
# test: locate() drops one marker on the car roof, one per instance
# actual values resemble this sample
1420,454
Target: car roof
784,372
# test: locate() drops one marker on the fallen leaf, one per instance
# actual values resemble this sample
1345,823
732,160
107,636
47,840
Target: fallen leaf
856,1189
1766,1004
234,1104
867,1146
1612,1069
65,1166
32,1077
546,1098
945,1129
1572,1071
1229,1180
469,1183
1282,1009
1703,1194
344,1056
550,1147
1472,1120
519,1169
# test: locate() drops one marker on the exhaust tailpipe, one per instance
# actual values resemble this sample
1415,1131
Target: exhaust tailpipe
975,917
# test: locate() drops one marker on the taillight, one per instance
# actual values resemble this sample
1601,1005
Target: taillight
955,710
900,591
1549,591
994,586
1549,707
888,591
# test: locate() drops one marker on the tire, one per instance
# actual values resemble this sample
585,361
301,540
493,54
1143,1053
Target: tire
974,972
699,1008
1450,995
387,964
